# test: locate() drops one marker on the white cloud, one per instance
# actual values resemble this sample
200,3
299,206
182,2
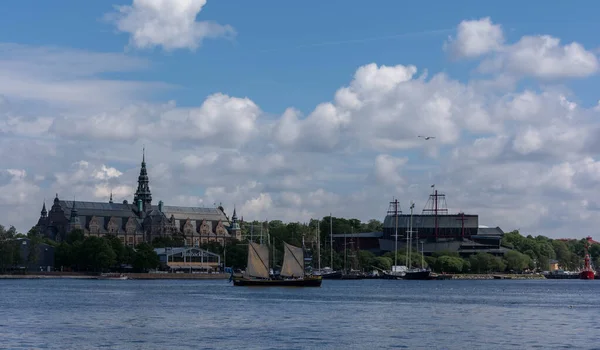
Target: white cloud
520,158
539,56
220,120
475,38
68,78
167,23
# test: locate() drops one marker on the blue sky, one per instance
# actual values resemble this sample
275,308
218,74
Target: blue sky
83,96
295,53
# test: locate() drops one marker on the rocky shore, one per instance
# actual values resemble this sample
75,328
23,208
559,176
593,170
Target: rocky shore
497,276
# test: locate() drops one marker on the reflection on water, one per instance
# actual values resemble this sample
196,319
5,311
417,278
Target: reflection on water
368,314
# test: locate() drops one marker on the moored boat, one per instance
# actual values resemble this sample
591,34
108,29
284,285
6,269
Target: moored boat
328,273
418,274
112,276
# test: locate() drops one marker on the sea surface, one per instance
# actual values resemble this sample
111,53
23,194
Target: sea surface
367,314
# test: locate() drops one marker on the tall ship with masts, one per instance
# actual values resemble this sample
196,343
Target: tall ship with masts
292,273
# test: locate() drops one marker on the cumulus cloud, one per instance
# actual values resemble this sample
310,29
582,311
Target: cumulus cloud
475,38
221,120
520,158
166,23
539,56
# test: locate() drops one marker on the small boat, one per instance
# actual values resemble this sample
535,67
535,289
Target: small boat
502,277
418,274
112,276
353,275
393,275
292,270
328,273
587,273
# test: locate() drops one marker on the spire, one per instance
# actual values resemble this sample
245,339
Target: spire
234,216
44,211
143,189
110,199
74,220
73,211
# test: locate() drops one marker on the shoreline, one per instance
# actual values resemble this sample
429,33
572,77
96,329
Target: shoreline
131,276
486,276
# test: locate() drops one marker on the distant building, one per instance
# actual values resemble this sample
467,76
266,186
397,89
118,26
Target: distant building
434,230
188,259
140,221
40,259
553,265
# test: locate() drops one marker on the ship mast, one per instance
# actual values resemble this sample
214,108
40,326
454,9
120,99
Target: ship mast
396,232
319,242
435,209
331,239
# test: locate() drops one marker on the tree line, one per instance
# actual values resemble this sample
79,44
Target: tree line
80,253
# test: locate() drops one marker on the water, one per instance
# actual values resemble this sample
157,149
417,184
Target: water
367,314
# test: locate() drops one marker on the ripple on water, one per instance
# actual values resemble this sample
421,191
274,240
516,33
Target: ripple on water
369,314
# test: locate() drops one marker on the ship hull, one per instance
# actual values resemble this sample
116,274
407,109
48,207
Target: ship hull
418,275
392,276
586,275
312,281
336,275
558,276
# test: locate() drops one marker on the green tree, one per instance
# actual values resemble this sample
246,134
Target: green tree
485,263
450,264
96,254
145,258
365,258
77,235
517,261
382,263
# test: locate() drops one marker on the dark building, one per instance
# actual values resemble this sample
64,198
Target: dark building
140,221
433,230
34,257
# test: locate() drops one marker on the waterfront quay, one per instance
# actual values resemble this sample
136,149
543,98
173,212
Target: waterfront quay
136,276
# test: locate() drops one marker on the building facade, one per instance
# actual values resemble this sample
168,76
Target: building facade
434,230
140,221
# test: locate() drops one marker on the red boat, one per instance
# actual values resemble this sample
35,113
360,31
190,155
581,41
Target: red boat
587,273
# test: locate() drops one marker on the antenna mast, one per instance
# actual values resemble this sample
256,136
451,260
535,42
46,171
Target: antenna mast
331,238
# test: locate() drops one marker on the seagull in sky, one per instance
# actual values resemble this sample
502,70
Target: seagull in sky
427,137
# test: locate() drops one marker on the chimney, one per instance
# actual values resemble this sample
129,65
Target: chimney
160,206
139,205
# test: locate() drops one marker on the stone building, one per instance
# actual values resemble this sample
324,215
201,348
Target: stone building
140,221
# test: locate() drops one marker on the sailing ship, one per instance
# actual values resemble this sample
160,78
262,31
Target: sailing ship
587,273
414,273
396,273
292,270
328,273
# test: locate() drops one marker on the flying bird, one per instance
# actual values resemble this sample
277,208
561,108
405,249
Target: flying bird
427,137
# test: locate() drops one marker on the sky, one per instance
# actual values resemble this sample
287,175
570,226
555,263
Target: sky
294,110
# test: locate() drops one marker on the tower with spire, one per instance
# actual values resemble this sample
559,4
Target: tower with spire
44,213
236,230
74,222
143,190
